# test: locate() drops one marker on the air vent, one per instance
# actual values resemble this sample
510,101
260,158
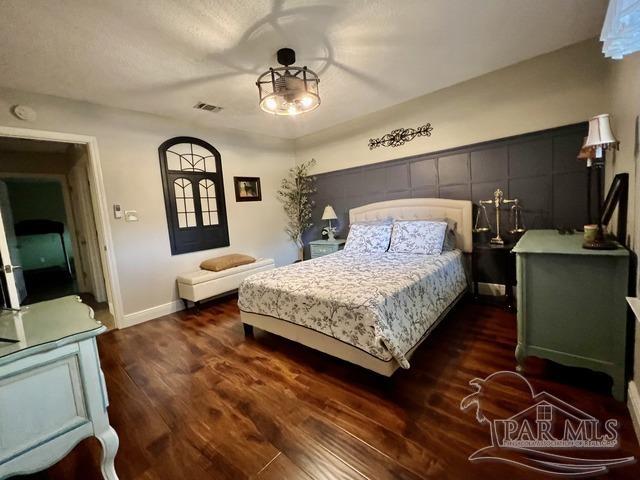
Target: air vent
207,107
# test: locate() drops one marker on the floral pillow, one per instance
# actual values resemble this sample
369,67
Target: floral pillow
418,236
368,237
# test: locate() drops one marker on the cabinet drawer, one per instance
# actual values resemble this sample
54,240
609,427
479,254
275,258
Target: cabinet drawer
319,250
39,404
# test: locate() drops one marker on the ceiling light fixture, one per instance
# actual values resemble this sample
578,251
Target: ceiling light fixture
288,90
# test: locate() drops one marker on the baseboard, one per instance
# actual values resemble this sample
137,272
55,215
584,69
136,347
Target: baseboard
141,316
633,403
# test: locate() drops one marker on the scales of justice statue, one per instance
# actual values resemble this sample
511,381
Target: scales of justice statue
497,201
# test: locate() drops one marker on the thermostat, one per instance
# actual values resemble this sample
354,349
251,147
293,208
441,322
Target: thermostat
131,215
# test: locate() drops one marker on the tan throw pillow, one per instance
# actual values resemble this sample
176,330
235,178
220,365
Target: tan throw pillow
218,264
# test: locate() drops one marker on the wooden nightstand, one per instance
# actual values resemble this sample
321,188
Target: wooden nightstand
318,248
501,262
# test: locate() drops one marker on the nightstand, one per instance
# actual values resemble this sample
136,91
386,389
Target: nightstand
498,260
318,248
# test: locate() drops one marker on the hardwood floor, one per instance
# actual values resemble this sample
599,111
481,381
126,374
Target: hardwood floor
192,399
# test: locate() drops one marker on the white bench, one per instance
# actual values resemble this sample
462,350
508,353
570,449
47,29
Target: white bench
202,284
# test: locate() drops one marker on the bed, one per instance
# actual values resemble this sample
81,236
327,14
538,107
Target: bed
372,310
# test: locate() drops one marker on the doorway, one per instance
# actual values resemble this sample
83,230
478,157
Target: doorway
54,240
36,209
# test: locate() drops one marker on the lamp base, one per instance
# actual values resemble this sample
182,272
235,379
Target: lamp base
600,244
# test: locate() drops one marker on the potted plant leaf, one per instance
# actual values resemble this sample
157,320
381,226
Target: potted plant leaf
295,194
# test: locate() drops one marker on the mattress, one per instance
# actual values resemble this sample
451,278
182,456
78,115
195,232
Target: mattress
380,303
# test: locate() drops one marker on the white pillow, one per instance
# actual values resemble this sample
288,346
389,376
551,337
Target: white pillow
418,236
368,237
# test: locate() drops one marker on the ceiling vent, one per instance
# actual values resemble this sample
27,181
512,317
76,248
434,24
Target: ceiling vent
207,107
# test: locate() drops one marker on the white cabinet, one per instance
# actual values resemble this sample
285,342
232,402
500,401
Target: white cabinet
52,390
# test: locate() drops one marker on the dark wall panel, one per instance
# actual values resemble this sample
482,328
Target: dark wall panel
535,193
423,173
532,158
453,169
539,168
489,164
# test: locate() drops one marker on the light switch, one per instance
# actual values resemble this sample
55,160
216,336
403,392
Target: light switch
117,211
131,215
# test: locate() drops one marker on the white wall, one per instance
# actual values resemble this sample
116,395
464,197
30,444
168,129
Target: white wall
624,87
562,87
128,143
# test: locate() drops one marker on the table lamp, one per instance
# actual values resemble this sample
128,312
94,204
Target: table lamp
329,214
600,139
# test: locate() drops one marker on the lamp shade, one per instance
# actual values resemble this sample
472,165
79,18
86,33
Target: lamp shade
329,213
586,153
600,134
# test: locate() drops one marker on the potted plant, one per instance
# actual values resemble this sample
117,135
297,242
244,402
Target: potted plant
295,192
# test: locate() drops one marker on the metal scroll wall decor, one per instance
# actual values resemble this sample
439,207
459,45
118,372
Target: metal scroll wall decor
400,136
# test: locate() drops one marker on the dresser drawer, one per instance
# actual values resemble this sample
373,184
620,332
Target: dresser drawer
319,250
39,404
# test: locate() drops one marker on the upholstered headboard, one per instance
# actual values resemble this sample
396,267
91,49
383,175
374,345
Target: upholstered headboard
422,209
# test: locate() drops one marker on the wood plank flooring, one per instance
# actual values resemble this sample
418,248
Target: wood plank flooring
192,399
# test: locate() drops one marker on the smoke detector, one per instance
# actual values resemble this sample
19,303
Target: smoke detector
24,112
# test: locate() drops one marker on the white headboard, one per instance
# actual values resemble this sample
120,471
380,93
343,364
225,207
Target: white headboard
422,209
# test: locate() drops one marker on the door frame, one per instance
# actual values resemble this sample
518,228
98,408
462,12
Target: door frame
100,206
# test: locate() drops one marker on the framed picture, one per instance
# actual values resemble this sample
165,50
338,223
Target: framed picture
247,189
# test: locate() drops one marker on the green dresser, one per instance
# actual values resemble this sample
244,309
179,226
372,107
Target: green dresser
571,303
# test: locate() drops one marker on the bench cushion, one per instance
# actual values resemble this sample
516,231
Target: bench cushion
217,264
200,276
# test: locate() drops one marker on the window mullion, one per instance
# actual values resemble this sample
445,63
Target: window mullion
196,200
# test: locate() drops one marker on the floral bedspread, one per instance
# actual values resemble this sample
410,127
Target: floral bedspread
381,303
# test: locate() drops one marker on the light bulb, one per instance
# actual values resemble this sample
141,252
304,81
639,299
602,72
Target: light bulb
271,103
306,101
292,109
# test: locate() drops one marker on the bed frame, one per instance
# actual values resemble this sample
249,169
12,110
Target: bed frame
404,209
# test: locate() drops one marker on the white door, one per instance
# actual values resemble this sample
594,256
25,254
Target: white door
9,252
86,232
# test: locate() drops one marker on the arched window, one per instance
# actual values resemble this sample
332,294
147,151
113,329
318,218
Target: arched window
193,195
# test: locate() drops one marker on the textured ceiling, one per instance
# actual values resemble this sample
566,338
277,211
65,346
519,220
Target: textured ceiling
163,56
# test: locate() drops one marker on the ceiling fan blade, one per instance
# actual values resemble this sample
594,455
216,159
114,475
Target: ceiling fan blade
371,80
185,84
